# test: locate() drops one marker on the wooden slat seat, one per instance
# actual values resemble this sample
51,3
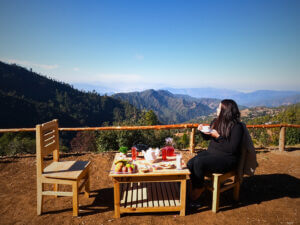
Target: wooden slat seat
66,170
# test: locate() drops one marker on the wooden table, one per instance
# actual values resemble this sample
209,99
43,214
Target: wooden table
155,191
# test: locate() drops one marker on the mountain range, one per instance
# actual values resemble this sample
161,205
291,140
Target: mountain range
268,98
168,107
27,98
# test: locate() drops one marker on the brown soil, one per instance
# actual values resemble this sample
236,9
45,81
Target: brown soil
269,197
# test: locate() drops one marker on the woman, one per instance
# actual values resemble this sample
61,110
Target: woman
223,150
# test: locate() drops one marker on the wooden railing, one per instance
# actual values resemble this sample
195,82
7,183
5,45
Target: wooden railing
192,126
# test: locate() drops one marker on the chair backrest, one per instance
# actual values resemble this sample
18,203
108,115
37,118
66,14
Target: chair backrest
47,142
242,158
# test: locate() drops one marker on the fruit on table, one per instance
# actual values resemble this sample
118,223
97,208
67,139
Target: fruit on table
118,167
123,161
124,169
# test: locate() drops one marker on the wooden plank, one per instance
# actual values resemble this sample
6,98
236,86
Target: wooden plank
159,194
66,169
169,193
123,194
129,196
48,140
82,185
75,198
175,193
282,139
117,199
139,195
164,193
182,197
134,195
175,126
144,195
150,209
216,194
50,125
49,148
192,140
48,133
58,193
149,194
46,180
154,194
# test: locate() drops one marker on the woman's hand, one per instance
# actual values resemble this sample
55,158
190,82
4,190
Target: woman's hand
214,133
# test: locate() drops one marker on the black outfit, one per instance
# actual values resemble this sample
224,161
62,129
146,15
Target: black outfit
220,157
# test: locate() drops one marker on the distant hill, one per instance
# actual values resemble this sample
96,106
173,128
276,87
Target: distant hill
27,98
267,98
168,107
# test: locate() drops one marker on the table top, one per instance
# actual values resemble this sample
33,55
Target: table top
156,168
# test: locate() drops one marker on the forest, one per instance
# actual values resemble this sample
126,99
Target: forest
28,98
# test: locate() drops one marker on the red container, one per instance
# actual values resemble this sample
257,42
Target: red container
170,150
164,154
133,153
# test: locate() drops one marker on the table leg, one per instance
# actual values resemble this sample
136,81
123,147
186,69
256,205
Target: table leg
117,198
182,197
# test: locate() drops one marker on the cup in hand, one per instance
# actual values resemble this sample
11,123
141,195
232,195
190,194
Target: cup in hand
206,129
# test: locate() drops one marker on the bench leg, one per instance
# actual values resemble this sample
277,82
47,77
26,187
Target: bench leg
117,198
39,198
55,188
216,194
236,191
75,198
87,186
182,197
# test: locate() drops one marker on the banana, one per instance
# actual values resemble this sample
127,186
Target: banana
123,161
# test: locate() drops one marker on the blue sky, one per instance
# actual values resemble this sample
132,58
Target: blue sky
134,45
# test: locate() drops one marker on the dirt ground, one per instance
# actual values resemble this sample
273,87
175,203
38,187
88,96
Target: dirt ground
269,197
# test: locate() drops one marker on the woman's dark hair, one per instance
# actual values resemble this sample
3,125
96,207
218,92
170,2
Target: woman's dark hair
228,117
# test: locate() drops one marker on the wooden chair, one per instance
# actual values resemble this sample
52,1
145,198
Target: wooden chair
225,181
67,172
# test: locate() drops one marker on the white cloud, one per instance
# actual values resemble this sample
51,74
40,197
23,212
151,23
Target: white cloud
75,69
139,56
31,64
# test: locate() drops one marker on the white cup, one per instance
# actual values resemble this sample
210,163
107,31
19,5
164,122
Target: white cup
206,129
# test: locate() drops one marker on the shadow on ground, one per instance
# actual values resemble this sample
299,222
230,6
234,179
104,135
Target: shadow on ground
103,202
254,190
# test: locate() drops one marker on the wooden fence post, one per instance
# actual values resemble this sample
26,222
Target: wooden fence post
282,139
192,140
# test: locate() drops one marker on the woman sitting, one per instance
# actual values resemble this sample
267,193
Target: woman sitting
223,151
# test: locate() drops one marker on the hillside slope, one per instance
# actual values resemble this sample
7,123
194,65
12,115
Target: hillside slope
168,107
27,98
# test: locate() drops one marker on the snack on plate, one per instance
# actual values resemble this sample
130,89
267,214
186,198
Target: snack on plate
144,169
171,166
157,168
168,165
